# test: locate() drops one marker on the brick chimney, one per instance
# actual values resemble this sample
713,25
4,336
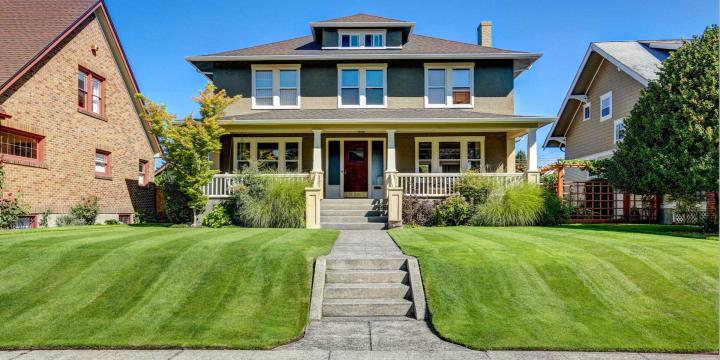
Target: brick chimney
484,33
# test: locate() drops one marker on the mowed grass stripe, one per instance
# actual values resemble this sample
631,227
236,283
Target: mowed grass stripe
164,287
568,288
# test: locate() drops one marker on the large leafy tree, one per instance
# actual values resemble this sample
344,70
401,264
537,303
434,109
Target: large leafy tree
187,143
671,135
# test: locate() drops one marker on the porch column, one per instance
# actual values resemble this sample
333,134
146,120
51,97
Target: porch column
510,153
391,151
532,174
317,151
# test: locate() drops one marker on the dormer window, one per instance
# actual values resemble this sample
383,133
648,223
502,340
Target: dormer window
359,39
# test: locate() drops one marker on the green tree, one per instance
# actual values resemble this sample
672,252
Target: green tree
671,135
520,161
187,143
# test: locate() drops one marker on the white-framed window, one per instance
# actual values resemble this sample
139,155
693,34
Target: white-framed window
619,130
275,86
281,154
362,86
143,172
449,85
102,162
606,101
587,108
360,39
449,154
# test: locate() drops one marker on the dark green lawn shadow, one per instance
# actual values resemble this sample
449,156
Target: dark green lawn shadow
685,231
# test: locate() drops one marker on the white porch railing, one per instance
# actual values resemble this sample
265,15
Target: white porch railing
221,185
440,185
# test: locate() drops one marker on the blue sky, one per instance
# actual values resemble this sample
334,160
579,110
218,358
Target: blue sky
157,35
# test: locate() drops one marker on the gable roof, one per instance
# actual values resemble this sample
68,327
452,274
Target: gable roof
31,29
29,26
639,59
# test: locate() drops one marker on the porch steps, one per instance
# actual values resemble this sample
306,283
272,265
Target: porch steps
353,214
367,287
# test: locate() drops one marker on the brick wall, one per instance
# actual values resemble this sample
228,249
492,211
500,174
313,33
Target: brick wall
45,102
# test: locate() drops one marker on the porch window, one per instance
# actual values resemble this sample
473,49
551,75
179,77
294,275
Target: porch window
268,154
276,86
606,106
361,86
18,144
449,85
90,92
102,162
449,154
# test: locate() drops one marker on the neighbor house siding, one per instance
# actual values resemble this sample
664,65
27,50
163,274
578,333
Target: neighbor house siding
493,82
589,137
44,101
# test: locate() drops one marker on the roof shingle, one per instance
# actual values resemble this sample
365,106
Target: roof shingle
27,27
372,114
362,18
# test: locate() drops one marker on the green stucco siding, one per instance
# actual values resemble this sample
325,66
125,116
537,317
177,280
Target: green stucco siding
235,80
405,80
493,80
393,37
329,37
319,80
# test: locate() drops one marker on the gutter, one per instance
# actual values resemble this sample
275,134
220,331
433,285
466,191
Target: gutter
540,120
380,56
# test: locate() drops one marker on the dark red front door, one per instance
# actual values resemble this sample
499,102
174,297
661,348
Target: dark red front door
356,169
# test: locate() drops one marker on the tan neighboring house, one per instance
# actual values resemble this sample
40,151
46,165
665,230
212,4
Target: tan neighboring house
69,122
606,87
371,110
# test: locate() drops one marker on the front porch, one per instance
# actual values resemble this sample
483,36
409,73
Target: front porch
383,165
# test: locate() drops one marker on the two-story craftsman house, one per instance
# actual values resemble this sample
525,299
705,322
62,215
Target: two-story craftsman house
364,104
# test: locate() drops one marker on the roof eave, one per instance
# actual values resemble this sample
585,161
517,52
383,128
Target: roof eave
540,120
364,56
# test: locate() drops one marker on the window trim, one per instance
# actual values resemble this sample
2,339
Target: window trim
361,39
615,132
588,106
253,141
435,152
33,221
362,85
108,162
21,159
275,68
607,95
90,75
146,171
449,67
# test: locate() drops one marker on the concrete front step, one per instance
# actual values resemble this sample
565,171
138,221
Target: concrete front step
365,276
366,264
351,206
353,219
345,226
367,291
367,307
353,212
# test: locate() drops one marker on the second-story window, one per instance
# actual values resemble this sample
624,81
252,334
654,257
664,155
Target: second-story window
449,85
362,86
90,92
276,87
606,106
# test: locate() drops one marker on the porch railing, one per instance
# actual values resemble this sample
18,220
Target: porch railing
440,185
221,185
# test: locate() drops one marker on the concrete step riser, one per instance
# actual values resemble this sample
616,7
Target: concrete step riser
366,264
366,226
399,292
324,212
324,206
367,309
355,201
353,219
365,277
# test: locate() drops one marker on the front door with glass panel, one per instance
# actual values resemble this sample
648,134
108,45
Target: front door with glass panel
355,168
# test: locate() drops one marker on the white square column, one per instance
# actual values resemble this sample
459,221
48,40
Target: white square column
532,151
391,167
317,151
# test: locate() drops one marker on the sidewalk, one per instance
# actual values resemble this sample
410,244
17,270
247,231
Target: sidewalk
330,355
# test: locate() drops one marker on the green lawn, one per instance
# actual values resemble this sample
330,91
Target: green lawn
151,287
569,288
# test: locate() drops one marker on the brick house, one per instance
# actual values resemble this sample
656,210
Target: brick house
69,121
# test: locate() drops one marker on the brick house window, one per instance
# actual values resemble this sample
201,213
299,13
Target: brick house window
90,92
102,163
26,222
20,145
125,218
142,172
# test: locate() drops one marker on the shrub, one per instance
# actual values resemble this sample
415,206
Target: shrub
417,211
11,208
145,216
112,222
268,201
68,220
217,218
554,212
518,205
175,202
452,211
44,218
86,210
475,188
